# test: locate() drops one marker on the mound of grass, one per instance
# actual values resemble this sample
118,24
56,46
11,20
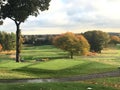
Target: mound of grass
53,68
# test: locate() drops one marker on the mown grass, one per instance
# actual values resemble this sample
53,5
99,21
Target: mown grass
53,86
50,69
39,52
59,65
31,68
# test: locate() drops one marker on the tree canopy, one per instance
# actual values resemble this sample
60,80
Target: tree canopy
97,40
19,11
7,40
71,43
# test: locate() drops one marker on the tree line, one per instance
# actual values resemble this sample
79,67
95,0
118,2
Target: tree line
79,44
7,41
93,41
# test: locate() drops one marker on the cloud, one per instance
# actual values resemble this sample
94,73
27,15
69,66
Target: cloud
73,15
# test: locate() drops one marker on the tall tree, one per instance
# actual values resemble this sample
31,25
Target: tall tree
19,11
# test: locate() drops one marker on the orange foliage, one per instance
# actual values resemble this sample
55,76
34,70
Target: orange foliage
84,44
71,43
115,39
0,47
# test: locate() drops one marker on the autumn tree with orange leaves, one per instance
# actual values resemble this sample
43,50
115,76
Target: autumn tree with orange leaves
84,45
1,47
71,43
114,39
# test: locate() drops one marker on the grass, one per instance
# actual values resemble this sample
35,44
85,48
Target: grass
54,68
113,82
38,52
53,86
59,65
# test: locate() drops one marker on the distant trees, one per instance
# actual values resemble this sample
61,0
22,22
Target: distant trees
71,43
97,40
7,41
114,39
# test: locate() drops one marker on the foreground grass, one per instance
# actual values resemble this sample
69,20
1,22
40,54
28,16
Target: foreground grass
53,86
113,82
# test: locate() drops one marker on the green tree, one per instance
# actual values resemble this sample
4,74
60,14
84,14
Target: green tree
97,40
19,11
7,40
70,42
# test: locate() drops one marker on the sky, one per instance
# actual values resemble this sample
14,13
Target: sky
72,16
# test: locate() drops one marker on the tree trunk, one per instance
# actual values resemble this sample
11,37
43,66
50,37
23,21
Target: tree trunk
18,42
71,53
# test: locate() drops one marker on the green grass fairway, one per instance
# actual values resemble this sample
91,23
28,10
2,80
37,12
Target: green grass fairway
39,52
58,65
53,68
80,65
53,86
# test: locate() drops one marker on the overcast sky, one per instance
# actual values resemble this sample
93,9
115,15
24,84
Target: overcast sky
73,16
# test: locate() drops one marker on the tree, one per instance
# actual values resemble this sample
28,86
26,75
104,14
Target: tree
1,22
2,2
70,42
114,39
7,40
19,11
84,45
97,40
0,47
